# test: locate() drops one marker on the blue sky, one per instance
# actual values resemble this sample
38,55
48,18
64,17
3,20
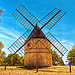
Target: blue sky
64,30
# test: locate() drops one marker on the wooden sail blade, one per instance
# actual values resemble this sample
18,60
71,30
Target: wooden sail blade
47,45
24,17
56,45
55,57
18,43
51,19
25,42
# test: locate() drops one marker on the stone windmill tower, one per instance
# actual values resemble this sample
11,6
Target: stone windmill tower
39,52
35,45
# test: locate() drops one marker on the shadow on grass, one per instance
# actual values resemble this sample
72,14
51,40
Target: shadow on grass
32,67
22,68
54,71
44,69
40,69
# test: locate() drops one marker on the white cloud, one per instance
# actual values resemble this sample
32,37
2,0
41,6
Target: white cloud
4,36
70,43
67,42
64,41
10,32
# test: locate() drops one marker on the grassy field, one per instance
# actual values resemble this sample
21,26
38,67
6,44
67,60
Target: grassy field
55,70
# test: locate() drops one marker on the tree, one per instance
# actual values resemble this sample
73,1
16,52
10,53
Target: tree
2,54
1,45
14,60
73,46
71,55
56,58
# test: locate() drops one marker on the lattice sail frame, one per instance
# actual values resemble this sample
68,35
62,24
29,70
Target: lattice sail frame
52,18
24,17
28,21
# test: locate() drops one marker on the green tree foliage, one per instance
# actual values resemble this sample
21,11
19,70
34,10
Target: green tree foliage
14,60
73,46
1,45
2,54
56,58
71,56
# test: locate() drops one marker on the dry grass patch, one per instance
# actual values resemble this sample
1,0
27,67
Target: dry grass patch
55,70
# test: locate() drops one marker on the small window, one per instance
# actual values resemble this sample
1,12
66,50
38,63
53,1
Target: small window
28,44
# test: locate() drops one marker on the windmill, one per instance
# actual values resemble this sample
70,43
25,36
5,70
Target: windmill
34,45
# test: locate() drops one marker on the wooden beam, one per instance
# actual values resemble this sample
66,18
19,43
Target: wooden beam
36,67
5,64
37,62
39,52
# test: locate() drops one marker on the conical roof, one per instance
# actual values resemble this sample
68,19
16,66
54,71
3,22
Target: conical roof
39,34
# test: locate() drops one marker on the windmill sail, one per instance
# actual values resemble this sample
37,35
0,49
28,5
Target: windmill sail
18,43
60,48
24,17
52,18
48,47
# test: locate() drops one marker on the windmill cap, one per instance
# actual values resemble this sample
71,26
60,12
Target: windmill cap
39,33
37,26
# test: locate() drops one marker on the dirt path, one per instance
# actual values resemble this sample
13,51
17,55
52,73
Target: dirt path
55,70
